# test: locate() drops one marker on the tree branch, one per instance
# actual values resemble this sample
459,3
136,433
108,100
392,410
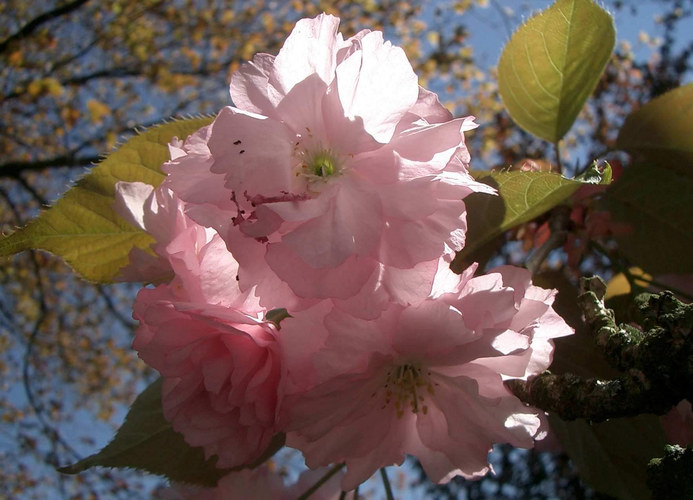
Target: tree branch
50,431
119,73
657,361
672,475
14,168
29,27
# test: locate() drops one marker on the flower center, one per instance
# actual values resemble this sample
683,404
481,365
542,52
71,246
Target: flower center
321,164
405,386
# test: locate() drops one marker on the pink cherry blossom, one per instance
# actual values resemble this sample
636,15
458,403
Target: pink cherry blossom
208,203
506,301
193,182
425,379
222,372
161,214
220,361
192,254
336,164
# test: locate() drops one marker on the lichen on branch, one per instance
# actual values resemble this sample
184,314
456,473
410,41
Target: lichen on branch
670,476
656,359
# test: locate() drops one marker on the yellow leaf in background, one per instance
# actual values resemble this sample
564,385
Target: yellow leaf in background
111,140
97,110
418,26
49,86
53,87
70,116
34,88
228,16
268,21
429,66
619,284
433,37
466,52
105,414
194,57
16,58
233,67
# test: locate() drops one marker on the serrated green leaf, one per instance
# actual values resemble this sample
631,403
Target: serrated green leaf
653,206
660,132
522,196
82,227
146,441
612,456
552,64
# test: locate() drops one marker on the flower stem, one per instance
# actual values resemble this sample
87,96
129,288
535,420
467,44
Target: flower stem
386,484
321,481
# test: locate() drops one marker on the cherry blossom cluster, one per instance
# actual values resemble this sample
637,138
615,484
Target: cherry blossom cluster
301,273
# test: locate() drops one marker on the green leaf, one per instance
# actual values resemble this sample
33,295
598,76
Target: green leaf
146,441
596,174
276,316
660,132
552,64
651,208
612,456
522,196
82,226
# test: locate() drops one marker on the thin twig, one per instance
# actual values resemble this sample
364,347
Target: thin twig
321,481
122,319
13,168
32,25
386,484
558,156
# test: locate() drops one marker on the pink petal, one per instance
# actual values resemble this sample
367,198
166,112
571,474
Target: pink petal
130,199
350,226
249,85
310,49
377,84
340,282
253,152
426,150
429,108
301,109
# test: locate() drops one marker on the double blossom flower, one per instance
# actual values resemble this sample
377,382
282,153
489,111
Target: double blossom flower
336,169
332,189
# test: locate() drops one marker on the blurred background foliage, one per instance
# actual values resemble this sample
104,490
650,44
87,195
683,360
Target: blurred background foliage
79,77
